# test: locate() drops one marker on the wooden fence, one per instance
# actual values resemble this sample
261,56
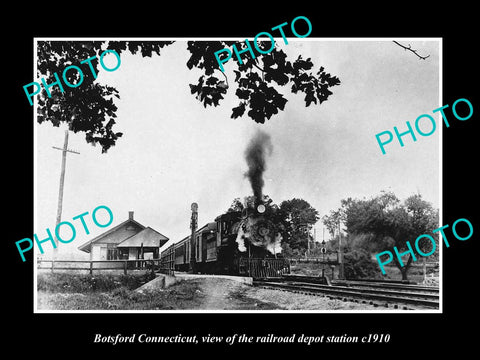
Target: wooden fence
167,261
263,268
331,258
100,265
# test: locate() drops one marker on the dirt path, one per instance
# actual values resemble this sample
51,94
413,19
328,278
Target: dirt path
223,294
193,294
217,293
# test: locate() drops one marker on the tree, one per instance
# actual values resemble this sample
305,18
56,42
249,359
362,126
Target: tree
238,205
90,108
332,221
297,217
388,222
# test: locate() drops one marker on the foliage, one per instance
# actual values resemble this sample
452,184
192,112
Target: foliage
387,222
90,108
237,205
332,221
67,282
290,252
249,201
297,218
359,265
357,255
335,218
253,80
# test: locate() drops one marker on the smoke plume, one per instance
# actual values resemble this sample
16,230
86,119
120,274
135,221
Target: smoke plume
248,231
259,147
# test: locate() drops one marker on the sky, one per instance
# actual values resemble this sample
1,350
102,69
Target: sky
175,152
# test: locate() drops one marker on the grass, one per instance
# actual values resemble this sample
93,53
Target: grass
68,283
106,292
415,273
66,291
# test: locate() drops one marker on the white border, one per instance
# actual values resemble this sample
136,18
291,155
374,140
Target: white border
398,311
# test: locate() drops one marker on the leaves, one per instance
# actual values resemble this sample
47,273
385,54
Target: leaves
377,224
146,48
297,215
239,110
263,100
210,91
314,87
276,67
384,216
90,107
253,81
202,54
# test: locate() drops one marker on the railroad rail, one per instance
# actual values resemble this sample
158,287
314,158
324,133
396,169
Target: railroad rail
387,285
395,295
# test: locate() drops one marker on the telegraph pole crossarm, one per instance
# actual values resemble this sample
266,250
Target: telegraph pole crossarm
67,150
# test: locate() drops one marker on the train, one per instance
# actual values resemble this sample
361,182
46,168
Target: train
218,251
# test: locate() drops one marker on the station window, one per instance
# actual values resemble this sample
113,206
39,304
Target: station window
112,254
198,248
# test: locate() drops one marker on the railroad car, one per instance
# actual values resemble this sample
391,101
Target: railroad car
217,251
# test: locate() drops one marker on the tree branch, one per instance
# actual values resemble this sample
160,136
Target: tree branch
258,67
226,79
410,49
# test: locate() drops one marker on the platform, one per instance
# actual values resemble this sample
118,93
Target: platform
160,282
241,279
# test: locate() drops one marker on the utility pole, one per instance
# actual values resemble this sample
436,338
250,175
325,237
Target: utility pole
305,228
308,240
60,190
341,274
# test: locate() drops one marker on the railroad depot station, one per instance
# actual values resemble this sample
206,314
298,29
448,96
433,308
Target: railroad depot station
129,240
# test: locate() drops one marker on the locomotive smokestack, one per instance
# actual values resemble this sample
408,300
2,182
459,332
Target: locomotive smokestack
259,147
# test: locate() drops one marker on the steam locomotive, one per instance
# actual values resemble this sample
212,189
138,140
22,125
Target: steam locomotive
236,243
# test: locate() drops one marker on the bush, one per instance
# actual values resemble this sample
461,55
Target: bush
62,282
290,252
358,265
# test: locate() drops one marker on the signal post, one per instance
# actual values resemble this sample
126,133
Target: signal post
193,226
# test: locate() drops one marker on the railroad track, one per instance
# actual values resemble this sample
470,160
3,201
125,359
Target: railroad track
377,294
387,285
